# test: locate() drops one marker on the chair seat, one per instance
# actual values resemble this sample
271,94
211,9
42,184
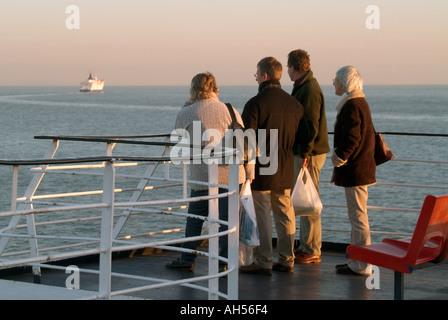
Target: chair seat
392,254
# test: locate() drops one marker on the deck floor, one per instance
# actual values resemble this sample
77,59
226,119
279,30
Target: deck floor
308,282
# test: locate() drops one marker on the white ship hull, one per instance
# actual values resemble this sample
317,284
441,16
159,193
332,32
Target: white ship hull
92,84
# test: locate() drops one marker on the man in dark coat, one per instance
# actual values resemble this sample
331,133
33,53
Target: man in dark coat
310,153
275,116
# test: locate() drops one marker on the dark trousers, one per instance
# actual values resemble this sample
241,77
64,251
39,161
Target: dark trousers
194,226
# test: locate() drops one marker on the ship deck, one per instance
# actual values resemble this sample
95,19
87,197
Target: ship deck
308,282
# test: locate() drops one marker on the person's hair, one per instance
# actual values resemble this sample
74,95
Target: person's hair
300,60
272,67
203,86
349,78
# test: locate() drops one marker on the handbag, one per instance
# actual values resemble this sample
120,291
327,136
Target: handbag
382,150
248,221
305,199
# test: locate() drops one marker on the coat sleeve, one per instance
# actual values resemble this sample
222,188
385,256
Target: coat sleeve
250,115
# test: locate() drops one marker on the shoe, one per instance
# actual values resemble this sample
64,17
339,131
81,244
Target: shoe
283,268
255,269
307,258
180,264
347,271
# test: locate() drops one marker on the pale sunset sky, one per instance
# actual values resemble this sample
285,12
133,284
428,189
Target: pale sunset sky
167,42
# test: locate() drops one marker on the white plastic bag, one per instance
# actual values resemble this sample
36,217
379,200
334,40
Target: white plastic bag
305,199
248,221
246,254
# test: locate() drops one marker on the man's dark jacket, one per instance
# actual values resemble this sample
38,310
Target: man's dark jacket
273,108
309,94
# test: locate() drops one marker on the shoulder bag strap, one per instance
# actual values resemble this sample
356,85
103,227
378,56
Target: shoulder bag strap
232,114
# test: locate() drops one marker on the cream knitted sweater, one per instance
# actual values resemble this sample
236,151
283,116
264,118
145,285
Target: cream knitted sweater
212,114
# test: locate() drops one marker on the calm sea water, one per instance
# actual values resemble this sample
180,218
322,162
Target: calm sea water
26,112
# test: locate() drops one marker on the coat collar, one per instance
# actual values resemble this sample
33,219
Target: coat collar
347,96
304,78
269,84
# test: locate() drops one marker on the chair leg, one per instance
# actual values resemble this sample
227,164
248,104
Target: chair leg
398,285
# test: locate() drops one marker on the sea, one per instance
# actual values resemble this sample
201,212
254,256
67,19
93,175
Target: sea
26,112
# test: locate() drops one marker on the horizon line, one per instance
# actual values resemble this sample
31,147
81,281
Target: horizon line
224,85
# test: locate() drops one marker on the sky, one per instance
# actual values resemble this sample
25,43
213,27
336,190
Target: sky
167,42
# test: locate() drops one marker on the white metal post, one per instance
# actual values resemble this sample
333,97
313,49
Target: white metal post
107,219
234,222
15,178
213,242
184,180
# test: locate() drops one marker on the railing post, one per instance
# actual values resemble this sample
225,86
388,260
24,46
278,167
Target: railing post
107,219
184,180
233,247
213,242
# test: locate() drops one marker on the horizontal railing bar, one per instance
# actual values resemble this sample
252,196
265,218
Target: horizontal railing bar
371,231
92,192
93,166
400,185
372,208
137,277
411,134
60,256
172,242
64,137
67,208
14,162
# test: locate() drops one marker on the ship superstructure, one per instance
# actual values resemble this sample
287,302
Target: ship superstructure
92,84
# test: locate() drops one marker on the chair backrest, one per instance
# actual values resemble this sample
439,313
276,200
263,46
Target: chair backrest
432,223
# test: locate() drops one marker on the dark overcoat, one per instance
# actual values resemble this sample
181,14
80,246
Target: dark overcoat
273,108
354,141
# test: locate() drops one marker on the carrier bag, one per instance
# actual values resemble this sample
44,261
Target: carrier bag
305,199
248,221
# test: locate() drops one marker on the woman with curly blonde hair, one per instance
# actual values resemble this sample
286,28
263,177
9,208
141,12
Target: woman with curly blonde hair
204,107
203,86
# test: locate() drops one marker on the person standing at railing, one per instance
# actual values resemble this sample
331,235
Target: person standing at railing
273,112
205,113
312,151
353,159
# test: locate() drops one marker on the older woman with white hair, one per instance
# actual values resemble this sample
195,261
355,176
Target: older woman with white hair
353,159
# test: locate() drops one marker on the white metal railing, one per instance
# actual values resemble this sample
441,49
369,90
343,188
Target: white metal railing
57,205
43,210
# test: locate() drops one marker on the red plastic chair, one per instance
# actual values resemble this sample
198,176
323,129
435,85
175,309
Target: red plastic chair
429,243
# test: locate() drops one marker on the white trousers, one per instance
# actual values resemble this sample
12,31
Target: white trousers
356,198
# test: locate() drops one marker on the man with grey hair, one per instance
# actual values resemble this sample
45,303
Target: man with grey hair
310,153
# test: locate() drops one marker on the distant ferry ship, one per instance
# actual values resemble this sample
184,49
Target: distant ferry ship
92,84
